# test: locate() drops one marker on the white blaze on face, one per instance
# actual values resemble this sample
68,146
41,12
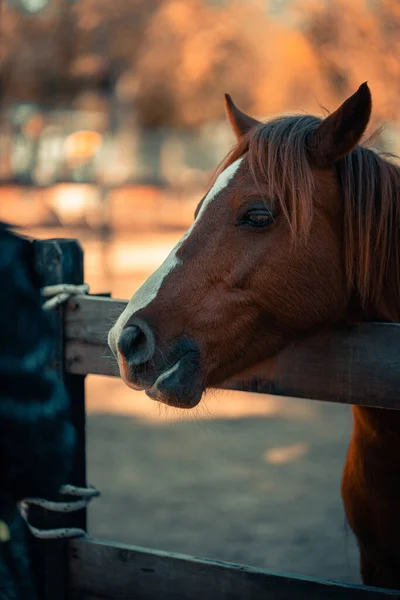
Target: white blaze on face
149,290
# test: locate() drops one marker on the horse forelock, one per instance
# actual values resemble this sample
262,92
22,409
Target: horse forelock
276,153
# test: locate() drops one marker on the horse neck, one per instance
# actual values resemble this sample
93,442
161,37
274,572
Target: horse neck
370,422
378,428
377,424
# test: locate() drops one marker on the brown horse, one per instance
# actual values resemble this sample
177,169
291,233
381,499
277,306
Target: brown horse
300,230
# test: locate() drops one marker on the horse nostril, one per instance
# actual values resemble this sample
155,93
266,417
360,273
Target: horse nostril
136,343
127,339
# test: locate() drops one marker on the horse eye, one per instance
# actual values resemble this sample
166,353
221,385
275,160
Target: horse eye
257,218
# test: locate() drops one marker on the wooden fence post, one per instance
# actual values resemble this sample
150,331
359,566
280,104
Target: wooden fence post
61,261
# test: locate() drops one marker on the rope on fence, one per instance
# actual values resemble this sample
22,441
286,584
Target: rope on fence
85,495
57,295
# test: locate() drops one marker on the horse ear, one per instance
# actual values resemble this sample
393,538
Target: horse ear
240,122
339,133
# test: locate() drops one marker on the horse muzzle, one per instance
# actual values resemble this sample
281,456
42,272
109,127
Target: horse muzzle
167,373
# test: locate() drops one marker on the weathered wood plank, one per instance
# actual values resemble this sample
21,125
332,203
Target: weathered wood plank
119,572
89,318
88,321
354,365
81,357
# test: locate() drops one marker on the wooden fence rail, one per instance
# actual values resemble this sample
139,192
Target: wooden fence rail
100,571
352,365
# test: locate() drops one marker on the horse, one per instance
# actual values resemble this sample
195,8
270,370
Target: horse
298,232
37,438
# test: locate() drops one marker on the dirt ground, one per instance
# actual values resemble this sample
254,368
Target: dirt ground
250,479
245,478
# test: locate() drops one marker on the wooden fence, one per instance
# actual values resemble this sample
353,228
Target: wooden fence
356,365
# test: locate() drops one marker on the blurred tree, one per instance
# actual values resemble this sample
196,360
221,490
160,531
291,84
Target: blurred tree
193,52
354,42
36,52
168,61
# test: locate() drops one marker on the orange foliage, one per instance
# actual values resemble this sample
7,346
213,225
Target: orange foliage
170,61
354,42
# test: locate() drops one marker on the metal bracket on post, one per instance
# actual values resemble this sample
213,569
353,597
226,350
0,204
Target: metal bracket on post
60,261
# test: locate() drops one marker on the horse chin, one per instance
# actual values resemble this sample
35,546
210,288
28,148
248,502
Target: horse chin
180,385
175,397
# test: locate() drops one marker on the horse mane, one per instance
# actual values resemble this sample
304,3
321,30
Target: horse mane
369,187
